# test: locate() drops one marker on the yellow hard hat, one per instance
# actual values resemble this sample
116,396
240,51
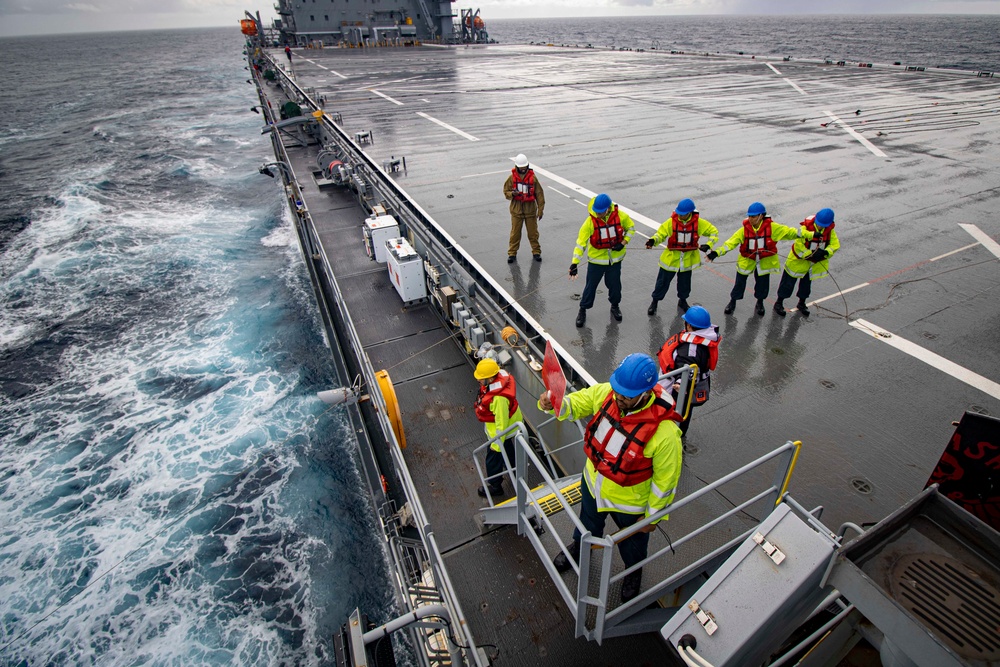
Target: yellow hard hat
486,369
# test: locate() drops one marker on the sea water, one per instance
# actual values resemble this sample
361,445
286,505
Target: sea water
172,492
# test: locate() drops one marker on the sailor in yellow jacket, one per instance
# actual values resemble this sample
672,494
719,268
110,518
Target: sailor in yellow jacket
808,259
633,447
603,237
685,232
757,240
496,407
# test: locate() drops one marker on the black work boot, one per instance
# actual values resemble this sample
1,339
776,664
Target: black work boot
779,307
581,317
511,259
495,492
652,307
730,307
760,307
561,562
803,308
631,585
683,304
616,312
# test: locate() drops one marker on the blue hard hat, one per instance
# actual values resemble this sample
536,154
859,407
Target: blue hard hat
756,208
684,207
601,203
824,218
698,317
635,374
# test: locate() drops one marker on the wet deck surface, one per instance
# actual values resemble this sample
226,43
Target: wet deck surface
650,129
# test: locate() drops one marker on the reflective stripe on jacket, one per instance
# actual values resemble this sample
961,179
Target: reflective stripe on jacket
496,406
796,265
596,255
769,264
684,260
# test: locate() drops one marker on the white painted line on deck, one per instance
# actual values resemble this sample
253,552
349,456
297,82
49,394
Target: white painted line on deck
982,237
775,70
386,97
560,192
425,100
951,368
836,294
338,74
589,194
447,126
792,84
953,252
864,142
321,66
486,173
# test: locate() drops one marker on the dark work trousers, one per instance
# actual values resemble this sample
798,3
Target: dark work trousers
633,549
612,276
663,280
687,422
495,464
787,284
761,285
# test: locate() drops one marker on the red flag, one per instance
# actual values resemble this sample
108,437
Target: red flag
552,376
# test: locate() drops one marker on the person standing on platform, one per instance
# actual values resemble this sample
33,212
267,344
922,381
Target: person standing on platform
757,239
808,260
697,344
603,237
288,53
633,449
527,203
685,233
496,406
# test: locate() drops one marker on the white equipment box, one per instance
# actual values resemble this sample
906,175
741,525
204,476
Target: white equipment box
406,270
377,231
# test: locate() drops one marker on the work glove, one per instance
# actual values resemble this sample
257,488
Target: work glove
540,214
712,255
704,247
618,246
573,270
650,243
818,255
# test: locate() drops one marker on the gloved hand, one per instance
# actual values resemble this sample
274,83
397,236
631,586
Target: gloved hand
573,270
818,255
704,247
650,243
540,214
617,247
712,255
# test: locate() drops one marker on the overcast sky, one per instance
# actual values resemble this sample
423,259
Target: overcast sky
41,17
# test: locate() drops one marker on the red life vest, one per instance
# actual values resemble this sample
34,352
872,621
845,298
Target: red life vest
607,233
523,187
814,242
502,385
614,444
683,235
757,243
667,357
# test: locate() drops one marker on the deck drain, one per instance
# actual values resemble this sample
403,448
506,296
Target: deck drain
979,410
861,485
829,384
929,336
777,350
951,601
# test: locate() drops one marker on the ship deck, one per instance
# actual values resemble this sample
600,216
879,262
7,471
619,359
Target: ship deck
913,159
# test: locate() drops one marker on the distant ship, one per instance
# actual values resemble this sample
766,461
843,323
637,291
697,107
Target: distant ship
857,399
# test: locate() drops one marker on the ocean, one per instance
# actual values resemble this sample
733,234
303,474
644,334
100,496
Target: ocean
171,490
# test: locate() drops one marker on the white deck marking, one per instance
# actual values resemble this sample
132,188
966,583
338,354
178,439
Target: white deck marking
775,70
560,192
953,252
321,66
864,142
836,294
486,173
981,236
792,84
447,126
386,97
975,380
589,194
425,100
337,73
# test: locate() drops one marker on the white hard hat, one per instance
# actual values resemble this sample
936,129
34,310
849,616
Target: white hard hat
521,160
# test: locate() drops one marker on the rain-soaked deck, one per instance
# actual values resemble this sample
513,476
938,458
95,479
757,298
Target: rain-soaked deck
918,160
649,129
